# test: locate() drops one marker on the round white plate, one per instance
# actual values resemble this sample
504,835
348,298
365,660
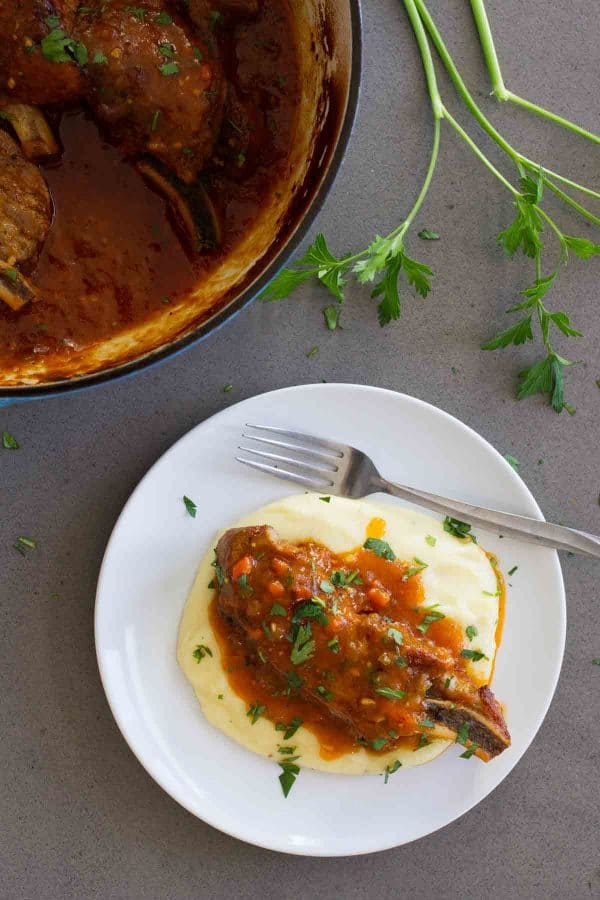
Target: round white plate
149,567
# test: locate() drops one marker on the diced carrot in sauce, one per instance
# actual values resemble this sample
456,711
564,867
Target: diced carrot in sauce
275,588
378,597
242,567
279,566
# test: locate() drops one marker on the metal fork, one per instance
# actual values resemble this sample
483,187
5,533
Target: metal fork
344,471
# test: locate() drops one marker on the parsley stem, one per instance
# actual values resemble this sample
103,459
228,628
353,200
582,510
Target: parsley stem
467,98
498,86
428,176
425,50
480,154
571,202
551,223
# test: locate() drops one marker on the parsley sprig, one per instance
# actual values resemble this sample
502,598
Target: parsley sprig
386,264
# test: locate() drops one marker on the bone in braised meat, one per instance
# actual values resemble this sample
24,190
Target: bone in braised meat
360,678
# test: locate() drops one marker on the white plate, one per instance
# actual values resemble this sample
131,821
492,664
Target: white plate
148,570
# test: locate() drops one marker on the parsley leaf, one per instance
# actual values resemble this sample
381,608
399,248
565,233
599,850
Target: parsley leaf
469,752
512,461
474,655
190,506
291,728
9,442
278,610
432,615
458,529
254,713
343,579
201,651
396,636
169,68
334,645
426,234
380,548
545,377
471,632
391,693
378,743
390,770
430,540
462,733
290,772
304,646
331,314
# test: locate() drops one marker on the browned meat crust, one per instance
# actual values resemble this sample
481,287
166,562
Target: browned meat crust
25,206
26,75
155,86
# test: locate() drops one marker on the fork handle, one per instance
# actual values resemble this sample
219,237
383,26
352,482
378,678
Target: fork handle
545,534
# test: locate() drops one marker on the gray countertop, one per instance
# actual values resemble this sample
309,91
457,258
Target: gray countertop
81,818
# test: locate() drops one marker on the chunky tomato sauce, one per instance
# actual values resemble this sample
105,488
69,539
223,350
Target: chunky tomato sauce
372,648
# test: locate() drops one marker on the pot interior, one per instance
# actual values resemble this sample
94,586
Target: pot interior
324,42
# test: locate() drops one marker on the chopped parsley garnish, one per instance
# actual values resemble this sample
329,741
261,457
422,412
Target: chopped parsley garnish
471,632
310,610
169,68
325,499
304,646
136,11
429,539
291,728
198,54
458,529
166,49
163,18
380,548
219,578
468,753
401,662
474,655
11,274
389,770
427,723
512,461
326,586
255,712
100,60
190,507
290,772
447,682
278,610
327,695
9,442
423,742
417,567
432,615
462,733
489,593
395,635
378,743
391,693
215,17
287,751
343,579
513,570
334,645
201,651
294,683
243,583
25,543
155,118
58,47
331,314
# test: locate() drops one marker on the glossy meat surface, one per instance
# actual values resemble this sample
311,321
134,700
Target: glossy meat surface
30,70
154,84
25,206
346,633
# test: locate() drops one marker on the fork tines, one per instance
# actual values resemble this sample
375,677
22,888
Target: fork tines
307,460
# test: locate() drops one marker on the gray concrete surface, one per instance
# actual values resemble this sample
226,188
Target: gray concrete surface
81,818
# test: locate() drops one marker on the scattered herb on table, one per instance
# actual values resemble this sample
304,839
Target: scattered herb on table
512,461
385,261
24,544
227,388
426,234
312,352
9,442
331,314
513,570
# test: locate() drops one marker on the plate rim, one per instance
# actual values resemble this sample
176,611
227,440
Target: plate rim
147,762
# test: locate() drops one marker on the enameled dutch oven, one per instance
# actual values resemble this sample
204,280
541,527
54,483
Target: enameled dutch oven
329,38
